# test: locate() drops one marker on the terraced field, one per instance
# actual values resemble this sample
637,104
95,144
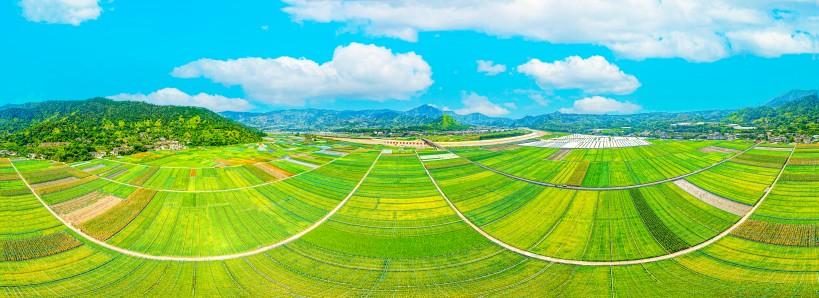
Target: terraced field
372,223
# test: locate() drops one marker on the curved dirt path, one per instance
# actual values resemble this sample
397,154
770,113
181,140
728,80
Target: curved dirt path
199,259
613,263
598,188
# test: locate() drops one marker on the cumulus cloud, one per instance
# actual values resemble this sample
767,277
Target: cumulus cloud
601,105
593,75
490,68
772,43
535,95
356,71
71,12
696,30
175,97
474,103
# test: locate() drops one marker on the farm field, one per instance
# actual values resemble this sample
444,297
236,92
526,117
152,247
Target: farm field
601,168
401,222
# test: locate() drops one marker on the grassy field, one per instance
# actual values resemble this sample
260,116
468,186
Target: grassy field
397,235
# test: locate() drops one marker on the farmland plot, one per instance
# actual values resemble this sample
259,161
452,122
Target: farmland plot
581,224
396,236
606,167
219,223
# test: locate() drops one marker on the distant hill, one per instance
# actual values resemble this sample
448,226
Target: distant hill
329,120
790,96
317,119
445,123
799,115
103,124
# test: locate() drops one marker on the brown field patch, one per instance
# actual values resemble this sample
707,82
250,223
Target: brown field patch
501,148
559,155
710,149
88,212
54,182
94,168
273,170
115,174
77,203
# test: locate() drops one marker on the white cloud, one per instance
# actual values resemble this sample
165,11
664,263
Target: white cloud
510,105
490,68
71,12
771,43
175,97
534,95
593,75
474,103
357,71
601,105
696,30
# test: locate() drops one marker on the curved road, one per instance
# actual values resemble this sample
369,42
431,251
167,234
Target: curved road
198,259
613,263
596,188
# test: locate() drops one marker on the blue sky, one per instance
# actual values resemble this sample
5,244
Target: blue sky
227,55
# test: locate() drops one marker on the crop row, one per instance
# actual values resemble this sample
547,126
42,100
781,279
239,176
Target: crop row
224,222
741,181
778,233
305,270
658,229
795,197
599,167
37,247
112,221
587,225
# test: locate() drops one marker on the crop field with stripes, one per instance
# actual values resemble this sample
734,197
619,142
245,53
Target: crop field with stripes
311,217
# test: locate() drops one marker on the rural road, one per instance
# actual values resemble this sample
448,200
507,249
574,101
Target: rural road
613,263
596,188
198,259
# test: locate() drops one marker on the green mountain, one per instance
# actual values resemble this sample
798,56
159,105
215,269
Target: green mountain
330,120
68,130
799,116
789,96
444,123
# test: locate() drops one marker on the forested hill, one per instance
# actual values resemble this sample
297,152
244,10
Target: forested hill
800,115
66,130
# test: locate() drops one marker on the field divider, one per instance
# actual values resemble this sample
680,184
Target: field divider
216,190
592,188
200,259
612,263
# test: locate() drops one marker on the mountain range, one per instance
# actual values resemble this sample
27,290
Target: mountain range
318,119
331,120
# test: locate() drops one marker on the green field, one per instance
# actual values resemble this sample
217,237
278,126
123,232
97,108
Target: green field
321,218
602,167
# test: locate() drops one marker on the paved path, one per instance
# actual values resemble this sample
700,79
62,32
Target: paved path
533,134
597,188
198,259
612,263
712,199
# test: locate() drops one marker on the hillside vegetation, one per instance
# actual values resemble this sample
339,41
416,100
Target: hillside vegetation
443,123
69,130
796,116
